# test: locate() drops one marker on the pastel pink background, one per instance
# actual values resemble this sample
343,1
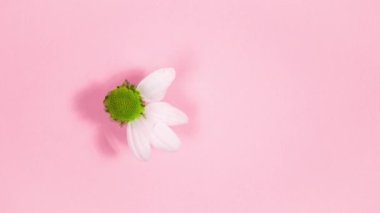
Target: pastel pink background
283,98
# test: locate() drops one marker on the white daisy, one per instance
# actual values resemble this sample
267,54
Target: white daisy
148,117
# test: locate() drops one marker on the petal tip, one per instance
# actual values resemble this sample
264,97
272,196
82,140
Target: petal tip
169,71
153,87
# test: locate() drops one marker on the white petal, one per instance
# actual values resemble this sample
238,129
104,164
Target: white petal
153,87
163,137
138,140
166,113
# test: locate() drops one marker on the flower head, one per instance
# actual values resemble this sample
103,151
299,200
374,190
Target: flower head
147,117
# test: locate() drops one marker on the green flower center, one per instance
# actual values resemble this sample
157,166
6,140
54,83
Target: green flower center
124,103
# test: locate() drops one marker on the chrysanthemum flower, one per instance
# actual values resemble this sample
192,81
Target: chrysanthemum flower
147,117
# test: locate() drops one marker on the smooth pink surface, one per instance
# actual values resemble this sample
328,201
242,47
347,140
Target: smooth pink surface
283,98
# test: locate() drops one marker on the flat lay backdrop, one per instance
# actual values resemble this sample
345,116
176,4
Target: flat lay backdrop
283,98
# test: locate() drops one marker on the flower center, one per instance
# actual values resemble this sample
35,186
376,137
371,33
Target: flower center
124,103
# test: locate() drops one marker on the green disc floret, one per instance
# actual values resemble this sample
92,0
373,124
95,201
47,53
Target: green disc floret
124,103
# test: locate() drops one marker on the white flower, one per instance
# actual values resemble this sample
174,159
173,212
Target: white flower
152,127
